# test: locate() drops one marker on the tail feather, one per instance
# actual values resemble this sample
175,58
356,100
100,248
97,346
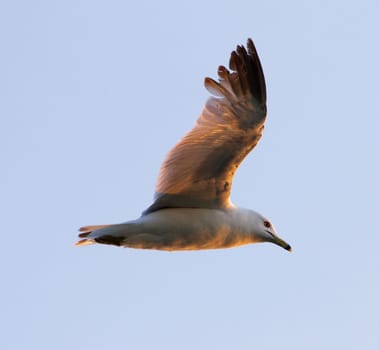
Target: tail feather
91,228
118,234
84,242
85,232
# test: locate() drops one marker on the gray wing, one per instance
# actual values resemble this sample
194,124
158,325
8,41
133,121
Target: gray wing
198,172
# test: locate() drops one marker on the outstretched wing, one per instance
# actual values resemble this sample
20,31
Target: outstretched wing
199,170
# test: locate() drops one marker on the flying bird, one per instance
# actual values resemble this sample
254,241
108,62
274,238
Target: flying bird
192,209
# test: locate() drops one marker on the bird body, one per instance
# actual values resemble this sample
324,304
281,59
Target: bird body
192,208
183,229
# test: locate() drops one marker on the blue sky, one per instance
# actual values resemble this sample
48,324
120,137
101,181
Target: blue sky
95,93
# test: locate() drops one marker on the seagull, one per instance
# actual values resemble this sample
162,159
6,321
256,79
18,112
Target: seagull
192,209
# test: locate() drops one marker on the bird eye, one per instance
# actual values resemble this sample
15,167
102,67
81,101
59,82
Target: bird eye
267,224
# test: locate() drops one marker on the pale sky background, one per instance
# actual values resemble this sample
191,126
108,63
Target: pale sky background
95,93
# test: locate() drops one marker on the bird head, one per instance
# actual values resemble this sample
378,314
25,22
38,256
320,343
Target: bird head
265,231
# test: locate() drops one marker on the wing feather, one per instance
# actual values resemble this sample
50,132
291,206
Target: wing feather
199,170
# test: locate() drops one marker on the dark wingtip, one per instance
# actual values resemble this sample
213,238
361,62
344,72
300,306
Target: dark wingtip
251,45
84,234
253,68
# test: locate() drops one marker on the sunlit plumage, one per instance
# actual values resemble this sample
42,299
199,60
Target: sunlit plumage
192,208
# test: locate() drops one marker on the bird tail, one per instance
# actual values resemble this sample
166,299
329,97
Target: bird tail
85,231
106,234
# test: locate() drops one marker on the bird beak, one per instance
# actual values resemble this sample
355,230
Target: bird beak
278,241
282,243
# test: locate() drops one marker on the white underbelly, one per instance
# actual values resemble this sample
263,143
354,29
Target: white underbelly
186,229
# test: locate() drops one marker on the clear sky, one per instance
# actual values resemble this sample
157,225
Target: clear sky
93,94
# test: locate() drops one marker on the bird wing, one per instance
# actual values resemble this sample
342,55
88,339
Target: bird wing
199,170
